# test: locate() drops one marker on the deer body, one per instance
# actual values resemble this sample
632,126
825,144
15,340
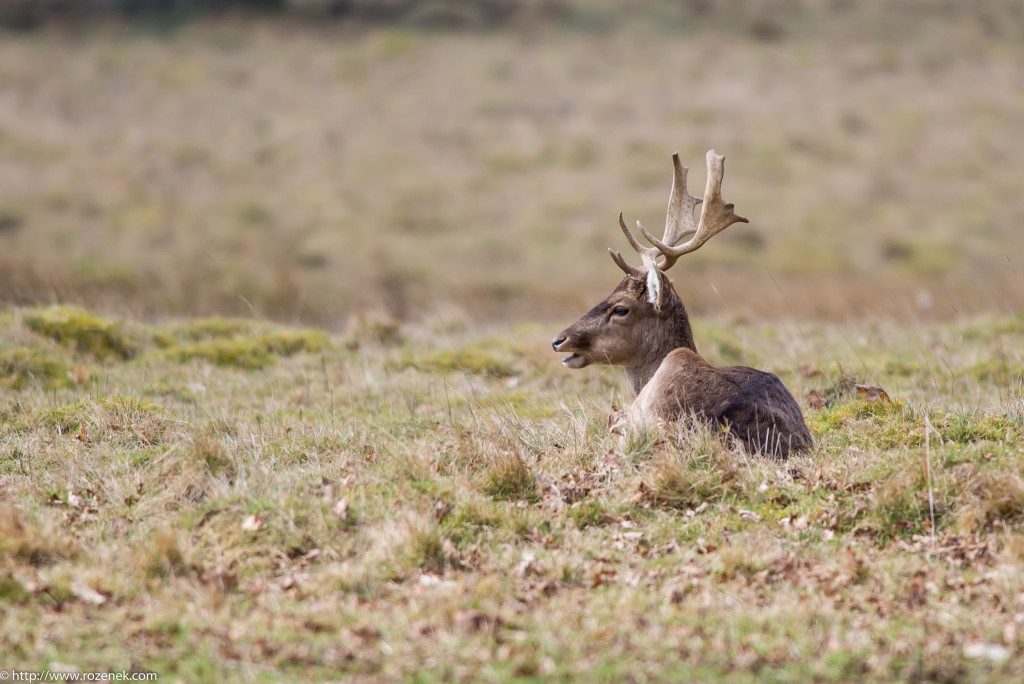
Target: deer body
754,406
643,326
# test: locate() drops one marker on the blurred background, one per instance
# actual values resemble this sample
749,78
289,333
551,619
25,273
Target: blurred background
308,160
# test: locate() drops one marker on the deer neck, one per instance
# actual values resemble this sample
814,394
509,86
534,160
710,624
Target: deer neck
672,333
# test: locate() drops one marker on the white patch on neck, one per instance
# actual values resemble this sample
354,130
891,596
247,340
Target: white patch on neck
654,287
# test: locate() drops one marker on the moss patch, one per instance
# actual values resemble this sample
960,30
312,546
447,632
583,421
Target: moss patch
83,331
21,367
250,353
196,330
117,411
466,360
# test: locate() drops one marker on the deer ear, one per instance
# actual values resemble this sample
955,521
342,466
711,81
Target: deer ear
657,288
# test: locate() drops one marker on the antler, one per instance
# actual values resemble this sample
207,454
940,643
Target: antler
715,216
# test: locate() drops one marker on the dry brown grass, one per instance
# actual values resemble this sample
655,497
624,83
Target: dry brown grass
313,172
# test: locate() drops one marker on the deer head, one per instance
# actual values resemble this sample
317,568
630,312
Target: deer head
642,320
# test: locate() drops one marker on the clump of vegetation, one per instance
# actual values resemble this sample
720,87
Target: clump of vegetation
905,501
199,329
20,367
83,331
163,555
993,497
886,423
208,450
378,328
962,427
117,413
250,353
466,360
241,353
24,540
424,546
509,478
698,467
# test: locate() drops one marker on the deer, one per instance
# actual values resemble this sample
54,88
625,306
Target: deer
643,326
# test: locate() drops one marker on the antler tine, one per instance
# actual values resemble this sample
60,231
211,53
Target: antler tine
679,221
624,265
649,255
715,214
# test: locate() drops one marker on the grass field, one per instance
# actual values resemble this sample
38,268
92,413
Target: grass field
308,172
277,398
224,499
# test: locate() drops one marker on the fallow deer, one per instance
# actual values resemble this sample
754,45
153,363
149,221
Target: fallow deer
643,326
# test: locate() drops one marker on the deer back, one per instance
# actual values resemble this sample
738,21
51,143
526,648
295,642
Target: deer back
753,406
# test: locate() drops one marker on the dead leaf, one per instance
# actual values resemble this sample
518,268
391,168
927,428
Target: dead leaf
603,576
367,633
963,471
252,523
917,594
816,400
663,548
872,393
995,653
691,571
86,593
288,581
79,374
702,546
475,620
441,510
618,422
749,515
527,566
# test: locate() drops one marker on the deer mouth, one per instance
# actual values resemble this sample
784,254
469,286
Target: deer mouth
575,361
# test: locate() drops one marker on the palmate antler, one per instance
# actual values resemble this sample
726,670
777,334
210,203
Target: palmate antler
715,216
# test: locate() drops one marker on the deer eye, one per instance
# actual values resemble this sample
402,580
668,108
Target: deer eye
620,311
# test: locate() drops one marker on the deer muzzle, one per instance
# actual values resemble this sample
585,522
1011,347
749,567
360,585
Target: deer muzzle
564,343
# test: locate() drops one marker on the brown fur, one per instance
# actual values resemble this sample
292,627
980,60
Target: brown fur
654,342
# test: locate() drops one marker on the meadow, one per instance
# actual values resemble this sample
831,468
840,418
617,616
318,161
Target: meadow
228,499
277,396
308,171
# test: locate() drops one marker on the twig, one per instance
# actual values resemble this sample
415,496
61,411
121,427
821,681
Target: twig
448,403
327,379
928,469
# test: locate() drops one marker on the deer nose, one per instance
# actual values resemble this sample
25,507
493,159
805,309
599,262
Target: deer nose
557,342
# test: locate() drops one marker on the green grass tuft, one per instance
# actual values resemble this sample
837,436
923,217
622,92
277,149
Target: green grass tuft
249,353
21,367
83,331
464,360
117,412
509,478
